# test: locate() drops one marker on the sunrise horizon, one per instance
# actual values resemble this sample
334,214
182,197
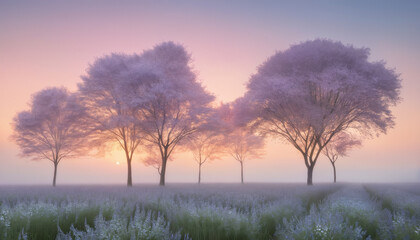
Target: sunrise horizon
224,58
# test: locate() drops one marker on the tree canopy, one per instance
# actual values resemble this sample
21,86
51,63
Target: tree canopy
169,103
312,91
54,128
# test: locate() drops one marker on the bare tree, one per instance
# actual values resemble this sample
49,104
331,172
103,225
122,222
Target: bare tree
339,146
239,141
242,145
110,116
153,161
207,143
169,103
205,146
153,157
54,128
311,92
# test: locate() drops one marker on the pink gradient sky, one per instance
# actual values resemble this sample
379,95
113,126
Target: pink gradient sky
52,43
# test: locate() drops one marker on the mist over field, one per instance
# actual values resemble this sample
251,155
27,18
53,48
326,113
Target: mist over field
209,120
227,42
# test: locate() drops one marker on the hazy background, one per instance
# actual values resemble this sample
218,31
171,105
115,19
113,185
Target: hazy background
51,43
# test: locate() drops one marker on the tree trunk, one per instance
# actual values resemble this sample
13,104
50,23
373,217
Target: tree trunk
199,173
129,177
163,171
242,172
55,173
310,171
335,175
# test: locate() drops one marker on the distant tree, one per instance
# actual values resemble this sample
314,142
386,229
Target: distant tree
311,92
339,146
111,117
169,102
155,161
239,141
54,128
242,145
153,157
206,145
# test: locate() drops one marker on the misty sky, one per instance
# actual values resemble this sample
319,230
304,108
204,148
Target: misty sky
51,43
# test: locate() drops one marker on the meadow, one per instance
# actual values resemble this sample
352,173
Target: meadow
211,211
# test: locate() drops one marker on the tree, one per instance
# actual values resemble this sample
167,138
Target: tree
339,146
242,145
169,102
110,116
239,141
54,128
205,145
153,159
311,92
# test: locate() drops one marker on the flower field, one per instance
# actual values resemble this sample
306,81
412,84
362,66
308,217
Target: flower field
210,211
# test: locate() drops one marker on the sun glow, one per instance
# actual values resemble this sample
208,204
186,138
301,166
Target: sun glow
227,42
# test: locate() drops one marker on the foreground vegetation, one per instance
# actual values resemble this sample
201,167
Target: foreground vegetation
253,211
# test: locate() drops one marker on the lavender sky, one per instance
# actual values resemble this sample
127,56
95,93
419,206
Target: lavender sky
51,43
